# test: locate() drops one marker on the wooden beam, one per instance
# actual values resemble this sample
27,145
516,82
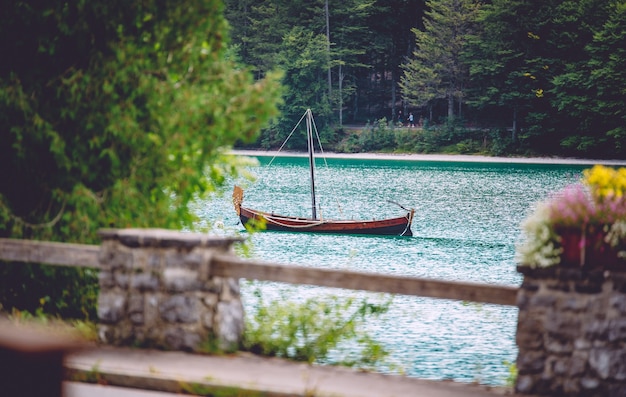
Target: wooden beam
226,265
230,266
50,253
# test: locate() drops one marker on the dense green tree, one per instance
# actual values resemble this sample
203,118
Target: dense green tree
115,114
500,74
525,61
591,90
558,48
391,44
350,38
303,58
237,13
437,69
367,41
260,26
290,36
549,71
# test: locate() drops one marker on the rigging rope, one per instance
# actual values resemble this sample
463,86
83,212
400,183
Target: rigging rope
319,143
285,142
282,146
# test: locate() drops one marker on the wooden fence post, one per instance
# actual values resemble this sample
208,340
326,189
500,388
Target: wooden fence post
31,360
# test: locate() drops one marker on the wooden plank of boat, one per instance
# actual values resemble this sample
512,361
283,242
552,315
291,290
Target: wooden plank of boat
399,226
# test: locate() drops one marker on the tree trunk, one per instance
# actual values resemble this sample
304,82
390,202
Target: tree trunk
450,108
393,97
330,84
355,110
514,128
340,96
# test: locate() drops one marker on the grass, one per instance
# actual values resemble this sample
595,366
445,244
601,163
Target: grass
83,330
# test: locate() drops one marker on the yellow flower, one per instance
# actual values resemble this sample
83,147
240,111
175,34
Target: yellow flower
605,181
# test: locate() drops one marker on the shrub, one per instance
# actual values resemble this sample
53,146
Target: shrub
315,330
378,136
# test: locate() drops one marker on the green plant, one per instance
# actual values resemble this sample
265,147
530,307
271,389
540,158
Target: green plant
73,294
211,345
200,389
87,330
126,129
512,376
467,146
94,375
82,329
378,136
314,330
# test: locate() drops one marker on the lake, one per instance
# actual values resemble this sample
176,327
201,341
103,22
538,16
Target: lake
466,225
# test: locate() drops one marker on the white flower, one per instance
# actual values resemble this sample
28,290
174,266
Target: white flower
538,249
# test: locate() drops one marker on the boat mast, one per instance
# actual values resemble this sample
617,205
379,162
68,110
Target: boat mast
309,133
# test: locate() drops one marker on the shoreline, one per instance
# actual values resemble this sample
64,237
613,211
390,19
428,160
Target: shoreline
461,158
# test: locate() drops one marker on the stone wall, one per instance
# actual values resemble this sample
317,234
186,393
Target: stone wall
571,333
156,290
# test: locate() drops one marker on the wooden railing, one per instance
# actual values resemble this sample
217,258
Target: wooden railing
231,266
49,360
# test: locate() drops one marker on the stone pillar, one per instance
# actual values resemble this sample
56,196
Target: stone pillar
156,290
571,332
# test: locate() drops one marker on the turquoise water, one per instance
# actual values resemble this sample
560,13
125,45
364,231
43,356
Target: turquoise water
466,225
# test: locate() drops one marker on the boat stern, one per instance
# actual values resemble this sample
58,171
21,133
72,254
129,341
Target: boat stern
408,232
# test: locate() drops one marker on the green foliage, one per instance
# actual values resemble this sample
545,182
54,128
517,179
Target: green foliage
377,136
448,138
83,330
437,69
512,378
304,59
313,330
200,389
115,114
365,38
68,292
211,345
590,89
551,72
467,146
501,142
94,375
431,140
540,59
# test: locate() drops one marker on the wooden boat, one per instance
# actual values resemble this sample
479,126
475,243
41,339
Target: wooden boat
400,226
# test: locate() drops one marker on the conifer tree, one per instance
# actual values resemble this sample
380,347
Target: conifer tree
438,69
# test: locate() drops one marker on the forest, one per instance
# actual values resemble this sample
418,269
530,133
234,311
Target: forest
500,77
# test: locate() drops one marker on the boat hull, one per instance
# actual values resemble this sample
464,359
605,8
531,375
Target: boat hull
400,226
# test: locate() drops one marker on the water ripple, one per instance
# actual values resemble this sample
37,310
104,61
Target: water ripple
466,226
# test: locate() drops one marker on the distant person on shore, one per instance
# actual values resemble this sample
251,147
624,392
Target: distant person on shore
411,120
400,117
420,122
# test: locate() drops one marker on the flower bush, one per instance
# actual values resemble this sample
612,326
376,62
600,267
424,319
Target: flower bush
583,223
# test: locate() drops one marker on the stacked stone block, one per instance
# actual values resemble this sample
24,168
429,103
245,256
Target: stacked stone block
571,333
156,290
